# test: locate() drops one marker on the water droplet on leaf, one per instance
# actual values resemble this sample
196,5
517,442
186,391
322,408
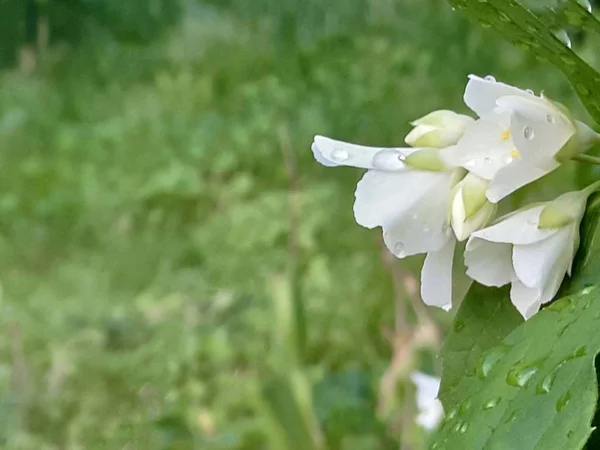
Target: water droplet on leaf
520,374
563,401
489,360
490,78
559,305
491,403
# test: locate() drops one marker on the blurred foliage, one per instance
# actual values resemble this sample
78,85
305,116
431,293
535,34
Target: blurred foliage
145,214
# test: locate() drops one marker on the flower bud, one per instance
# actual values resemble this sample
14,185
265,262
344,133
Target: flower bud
470,209
426,159
438,129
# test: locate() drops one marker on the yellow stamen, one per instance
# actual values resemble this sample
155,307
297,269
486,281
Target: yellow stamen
514,153
505,135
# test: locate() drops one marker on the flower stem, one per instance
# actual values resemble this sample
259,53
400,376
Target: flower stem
584,158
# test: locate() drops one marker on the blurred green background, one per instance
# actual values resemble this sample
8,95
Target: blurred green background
176,270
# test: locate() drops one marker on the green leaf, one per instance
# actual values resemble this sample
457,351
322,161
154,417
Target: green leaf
536,390
534,387
527,31
485,317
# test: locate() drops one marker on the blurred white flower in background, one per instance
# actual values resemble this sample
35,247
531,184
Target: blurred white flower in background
431,411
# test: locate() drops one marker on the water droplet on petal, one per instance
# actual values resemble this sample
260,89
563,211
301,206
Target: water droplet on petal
490,78
520,374
563,401
550,118
530,91
398,248
388,160
487,160
528,133
491,403
507,159
339,155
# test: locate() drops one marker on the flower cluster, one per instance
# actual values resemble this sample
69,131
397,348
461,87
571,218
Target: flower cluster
444,188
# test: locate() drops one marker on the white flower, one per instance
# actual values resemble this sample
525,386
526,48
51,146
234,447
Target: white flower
430,408
532,248
519,137
407,192
471,210
438,129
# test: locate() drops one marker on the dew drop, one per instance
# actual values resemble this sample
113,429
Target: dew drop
485,24
587,290
530,91
503,17
398,248
339,155
570,433
563,37
586,4
458,326
451,414
559,305
490,78
546,385
582,89
490,359
464,407
491,403
528,133
563,401
550,118
511,417
507,159
388,160
464,427
520,374
487,160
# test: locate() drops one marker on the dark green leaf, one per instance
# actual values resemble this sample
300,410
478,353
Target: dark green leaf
528,32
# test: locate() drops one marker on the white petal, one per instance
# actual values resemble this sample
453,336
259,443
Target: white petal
539,130
424,227
526,300
382,197
436,277
489,263
512,177
520,227
541,263
330,152
482,149
481,94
